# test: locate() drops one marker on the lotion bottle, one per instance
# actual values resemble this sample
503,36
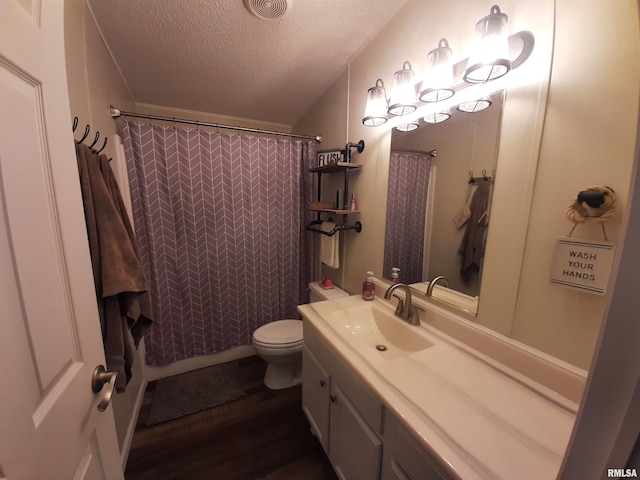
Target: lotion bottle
368,287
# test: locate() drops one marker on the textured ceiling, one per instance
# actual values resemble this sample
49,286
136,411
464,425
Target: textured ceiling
214,56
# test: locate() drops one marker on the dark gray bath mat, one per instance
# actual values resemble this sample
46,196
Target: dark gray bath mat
192,392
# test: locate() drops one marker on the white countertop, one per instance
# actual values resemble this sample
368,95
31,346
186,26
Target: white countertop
478,420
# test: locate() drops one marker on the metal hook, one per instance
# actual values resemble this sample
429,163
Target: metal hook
75,123
86,133
104,144
471,179
95,140
484,174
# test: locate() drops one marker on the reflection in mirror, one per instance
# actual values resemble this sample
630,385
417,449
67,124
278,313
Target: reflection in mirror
441,177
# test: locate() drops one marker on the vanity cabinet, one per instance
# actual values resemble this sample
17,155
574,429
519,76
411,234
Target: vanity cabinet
344,415
362,439
354,448
316,391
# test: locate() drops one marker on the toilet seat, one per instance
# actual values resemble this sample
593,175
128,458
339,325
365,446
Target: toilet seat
279,334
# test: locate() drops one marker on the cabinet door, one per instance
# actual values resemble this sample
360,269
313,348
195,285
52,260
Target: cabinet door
404,458
316,386
354,450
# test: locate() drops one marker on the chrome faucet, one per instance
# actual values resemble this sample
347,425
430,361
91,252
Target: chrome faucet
433,282
405,310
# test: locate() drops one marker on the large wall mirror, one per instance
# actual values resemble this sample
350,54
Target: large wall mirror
443,175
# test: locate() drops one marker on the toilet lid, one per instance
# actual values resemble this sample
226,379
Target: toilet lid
279,332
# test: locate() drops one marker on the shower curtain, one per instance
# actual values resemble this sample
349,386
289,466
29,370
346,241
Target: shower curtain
220,220
406,210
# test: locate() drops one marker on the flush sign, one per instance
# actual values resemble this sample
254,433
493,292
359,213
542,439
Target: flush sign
329,157
582,264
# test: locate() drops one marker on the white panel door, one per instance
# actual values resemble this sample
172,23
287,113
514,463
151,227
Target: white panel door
50,339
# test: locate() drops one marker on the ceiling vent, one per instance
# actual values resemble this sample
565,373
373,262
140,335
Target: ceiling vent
267,9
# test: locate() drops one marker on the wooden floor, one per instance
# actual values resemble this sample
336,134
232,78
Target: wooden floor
264,435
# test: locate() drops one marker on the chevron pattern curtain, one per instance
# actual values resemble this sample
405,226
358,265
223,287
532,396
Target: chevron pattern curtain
406,215
219,219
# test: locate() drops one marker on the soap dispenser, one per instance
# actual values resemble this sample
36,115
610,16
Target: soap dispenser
395,275
368,287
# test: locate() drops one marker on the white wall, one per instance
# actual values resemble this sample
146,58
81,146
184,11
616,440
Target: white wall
589,139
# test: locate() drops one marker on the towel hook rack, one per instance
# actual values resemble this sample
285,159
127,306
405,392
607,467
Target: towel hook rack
345,226
86,134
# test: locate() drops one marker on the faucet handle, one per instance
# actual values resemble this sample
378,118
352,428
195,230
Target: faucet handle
415,314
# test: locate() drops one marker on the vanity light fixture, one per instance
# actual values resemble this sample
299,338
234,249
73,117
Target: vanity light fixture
474,106
437,84
375,113
403,95
437,117
408,127
493,56
490,56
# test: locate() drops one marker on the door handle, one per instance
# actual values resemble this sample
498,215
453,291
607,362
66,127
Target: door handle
99,378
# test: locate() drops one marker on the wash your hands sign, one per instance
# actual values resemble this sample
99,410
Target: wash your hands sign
582,264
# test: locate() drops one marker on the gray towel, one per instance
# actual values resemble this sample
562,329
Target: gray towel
472,246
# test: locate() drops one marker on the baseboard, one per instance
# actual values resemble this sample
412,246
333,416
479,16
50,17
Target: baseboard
157,372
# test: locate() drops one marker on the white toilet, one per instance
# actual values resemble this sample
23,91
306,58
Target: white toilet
279,343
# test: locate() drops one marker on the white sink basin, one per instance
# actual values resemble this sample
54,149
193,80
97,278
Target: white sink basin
372,328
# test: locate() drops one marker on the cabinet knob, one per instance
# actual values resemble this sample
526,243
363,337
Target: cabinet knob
332,398
323,383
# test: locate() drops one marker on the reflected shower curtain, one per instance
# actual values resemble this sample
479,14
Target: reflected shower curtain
406,211
220,223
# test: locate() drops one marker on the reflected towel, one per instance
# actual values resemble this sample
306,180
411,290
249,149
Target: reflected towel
329,246
472,246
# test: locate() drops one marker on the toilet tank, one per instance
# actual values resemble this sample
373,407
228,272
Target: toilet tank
318,294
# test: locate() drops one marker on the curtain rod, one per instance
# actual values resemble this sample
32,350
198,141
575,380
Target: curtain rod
115,113
431,153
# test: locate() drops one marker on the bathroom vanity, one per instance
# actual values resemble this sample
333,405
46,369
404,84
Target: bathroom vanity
351,422
389,401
